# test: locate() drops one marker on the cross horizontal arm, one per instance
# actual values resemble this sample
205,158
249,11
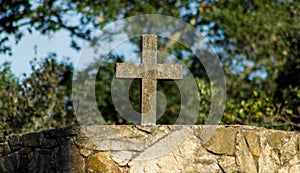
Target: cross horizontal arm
168,71
162,71
127,70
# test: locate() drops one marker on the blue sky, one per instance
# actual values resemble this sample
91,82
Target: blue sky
24,51
59,43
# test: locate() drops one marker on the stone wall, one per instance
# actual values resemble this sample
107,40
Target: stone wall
161,148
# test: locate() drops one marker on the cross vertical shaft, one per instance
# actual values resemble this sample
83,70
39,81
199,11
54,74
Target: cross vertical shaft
148,84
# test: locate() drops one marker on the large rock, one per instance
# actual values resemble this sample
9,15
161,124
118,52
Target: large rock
222,141
77,161
253,141
101,163
244,157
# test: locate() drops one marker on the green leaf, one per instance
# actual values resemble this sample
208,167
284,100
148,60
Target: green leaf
289,111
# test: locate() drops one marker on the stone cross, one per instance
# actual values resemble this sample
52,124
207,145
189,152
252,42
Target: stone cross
148,71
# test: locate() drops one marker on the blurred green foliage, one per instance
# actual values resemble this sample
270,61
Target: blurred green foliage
40,100
260,50
257,42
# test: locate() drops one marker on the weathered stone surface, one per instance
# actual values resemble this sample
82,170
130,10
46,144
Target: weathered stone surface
289,149
122,157
32,140
163,148
179,159
165,145
276,138
222,141
77,161
269,160
85,152
294,168
14,162
204,162
283,170
197,131
97,131
61,156
298,145
156,132
131,133
48,143
62,132
252,138
41,161
101,162
244,159
15,143
148,129
119,144
187,157
85,143
228,164
4,149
